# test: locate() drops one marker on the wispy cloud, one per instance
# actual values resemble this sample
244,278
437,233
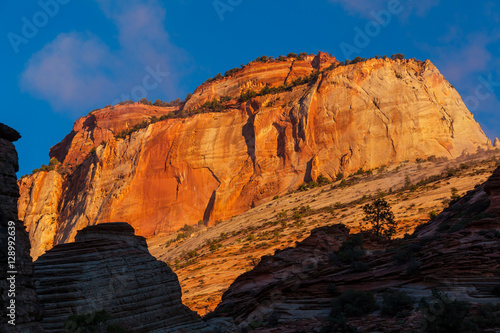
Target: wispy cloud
364,8
469,56
77,71
468,62
70,70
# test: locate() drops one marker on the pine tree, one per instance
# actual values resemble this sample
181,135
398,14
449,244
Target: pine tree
379,213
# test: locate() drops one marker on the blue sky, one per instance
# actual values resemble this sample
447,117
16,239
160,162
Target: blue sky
63,58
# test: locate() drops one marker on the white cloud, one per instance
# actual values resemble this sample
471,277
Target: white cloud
473,56
78,71
469,63
69,70
365,7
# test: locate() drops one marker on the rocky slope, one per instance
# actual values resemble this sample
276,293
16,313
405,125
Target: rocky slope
26,312
212,166
109,269
210,259
458,252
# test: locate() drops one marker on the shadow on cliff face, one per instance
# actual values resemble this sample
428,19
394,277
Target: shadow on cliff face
248,132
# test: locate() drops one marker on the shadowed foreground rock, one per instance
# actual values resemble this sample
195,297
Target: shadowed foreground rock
458,253
109,268
27,311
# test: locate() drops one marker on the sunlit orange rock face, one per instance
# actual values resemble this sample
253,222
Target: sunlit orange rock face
97,127
211,166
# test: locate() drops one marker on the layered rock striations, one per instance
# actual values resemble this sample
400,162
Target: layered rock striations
25,313
100,126
211,166
109,269
458,253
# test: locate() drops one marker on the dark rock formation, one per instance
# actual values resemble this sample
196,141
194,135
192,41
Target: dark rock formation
109,268
27,311
458,252
492,188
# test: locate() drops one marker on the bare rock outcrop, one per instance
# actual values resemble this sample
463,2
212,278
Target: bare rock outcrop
109,269
212,166
16,281
458,252
100,126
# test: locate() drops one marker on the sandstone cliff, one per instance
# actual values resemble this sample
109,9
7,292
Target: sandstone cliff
109,269
27,312
211,166
458,252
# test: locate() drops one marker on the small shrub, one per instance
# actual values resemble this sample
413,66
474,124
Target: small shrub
395,302
360,172
354,303
303,188
351,249
344,183
433,214
192,254
322,180
53,162
248,95
451,315
399,56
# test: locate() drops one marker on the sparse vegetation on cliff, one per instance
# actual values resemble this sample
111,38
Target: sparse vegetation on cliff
123,134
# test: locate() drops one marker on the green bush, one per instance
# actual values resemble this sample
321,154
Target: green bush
396,302
248,95
91,322
443,315
351,249
354,303
399,56
232,71
433,214
303,187
322,180
123,134
53,162
214,105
